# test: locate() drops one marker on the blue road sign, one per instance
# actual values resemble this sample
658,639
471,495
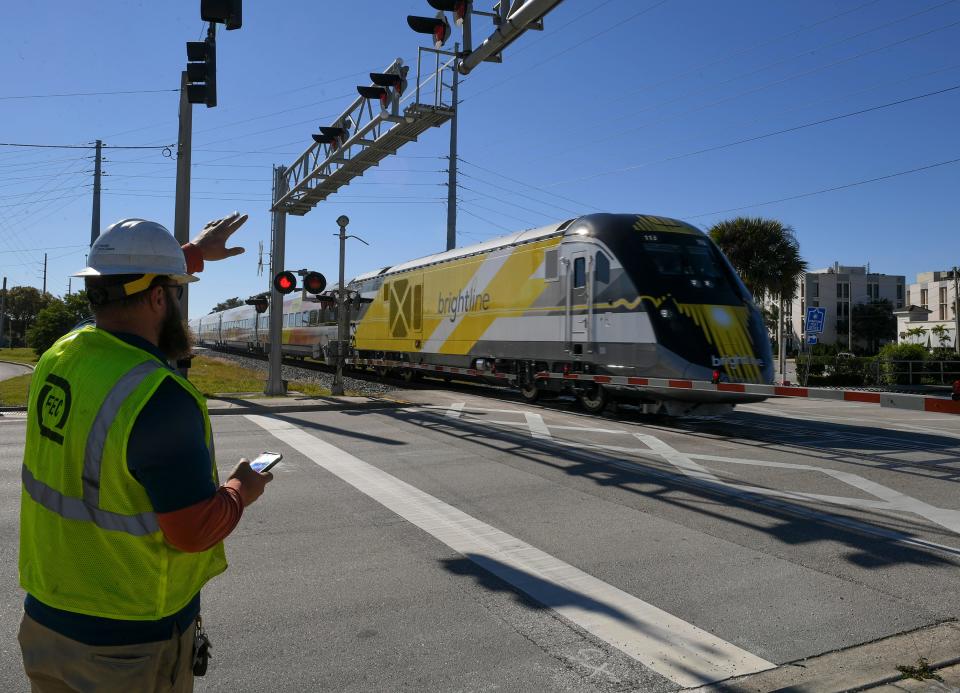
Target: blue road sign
815,319
811,339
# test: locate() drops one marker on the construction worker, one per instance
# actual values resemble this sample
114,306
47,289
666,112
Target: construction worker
122,517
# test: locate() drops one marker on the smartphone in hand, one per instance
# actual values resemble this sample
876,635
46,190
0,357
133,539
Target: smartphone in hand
266,461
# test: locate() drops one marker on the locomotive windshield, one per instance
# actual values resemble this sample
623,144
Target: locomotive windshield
688,267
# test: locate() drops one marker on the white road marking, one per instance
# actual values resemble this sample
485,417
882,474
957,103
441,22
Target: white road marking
455,411
538,429
677,650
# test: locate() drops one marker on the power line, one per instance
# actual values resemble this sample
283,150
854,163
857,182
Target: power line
88,93
826,190
85,146
528,185
759,137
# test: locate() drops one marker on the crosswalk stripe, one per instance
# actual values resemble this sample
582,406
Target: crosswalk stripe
675,649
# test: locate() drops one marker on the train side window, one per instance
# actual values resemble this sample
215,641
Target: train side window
550,270
579,272
602,271
313,317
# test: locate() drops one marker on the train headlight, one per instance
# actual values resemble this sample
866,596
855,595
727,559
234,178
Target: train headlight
666,314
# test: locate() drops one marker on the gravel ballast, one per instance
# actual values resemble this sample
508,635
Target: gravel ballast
352,386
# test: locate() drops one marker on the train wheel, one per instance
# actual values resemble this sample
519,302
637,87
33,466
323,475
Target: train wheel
382,372
408,375
593,399
530,392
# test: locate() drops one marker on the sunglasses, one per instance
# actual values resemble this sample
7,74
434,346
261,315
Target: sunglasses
178,287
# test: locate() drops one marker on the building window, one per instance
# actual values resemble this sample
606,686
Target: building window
815,290
923,298
899,292
943,303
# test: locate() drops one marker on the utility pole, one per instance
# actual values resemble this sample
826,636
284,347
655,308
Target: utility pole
95,216
956,308
275,385
343,322
781,345
181,213
3,309
44,273
452,168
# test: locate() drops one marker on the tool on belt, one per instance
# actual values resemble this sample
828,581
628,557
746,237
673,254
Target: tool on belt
201,649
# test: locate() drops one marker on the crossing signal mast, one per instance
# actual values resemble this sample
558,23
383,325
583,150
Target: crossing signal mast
386,116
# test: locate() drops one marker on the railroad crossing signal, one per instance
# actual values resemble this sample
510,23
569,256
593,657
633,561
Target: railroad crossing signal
285,282
437,26
388,86
314,283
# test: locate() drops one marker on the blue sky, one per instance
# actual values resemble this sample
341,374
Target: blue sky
605,110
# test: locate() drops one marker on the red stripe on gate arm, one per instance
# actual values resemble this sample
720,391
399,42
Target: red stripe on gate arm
601,378
730,387
784,391
685,384
637,381
542,375
870,397
571,376
944,406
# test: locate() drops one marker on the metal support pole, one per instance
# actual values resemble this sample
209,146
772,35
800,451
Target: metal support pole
181,214
452,168
275,385
781,346
44,273
343,322
850,316
95,216
956,309
3,309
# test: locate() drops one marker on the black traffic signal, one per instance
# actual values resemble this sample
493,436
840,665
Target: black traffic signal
202,72
227,12
459,8
386,86
314,283
285,282
260,303
331,135
437,26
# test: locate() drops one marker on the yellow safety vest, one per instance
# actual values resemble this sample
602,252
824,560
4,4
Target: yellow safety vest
89,538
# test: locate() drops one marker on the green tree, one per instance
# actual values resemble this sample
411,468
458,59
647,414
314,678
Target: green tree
23,305
917,333
873,322
942,334
765,253
234,302
58,318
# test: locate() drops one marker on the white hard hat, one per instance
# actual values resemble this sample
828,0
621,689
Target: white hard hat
136,246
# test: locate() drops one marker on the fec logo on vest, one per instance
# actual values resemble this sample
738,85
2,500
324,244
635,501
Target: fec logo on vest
53,407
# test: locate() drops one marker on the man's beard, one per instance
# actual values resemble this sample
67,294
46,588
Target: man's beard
175,340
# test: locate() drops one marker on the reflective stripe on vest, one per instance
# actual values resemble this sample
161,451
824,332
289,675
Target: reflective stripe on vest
88,509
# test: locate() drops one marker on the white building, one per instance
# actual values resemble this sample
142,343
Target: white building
838,289
931,304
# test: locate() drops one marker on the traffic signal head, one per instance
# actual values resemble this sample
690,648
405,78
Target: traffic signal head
314,282
227,12
387,84
457,7
202,72
331,135
285,282
438,27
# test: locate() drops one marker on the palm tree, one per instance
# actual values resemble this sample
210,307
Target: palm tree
940,332
916,332
766,254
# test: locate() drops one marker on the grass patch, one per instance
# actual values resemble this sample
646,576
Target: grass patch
19,355
213,376
13,392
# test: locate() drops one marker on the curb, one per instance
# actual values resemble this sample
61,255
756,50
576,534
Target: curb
250,407
19,363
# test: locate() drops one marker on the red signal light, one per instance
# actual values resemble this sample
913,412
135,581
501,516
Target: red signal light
285,282
716,377
314,283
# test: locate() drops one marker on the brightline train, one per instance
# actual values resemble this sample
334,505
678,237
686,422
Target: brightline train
610,294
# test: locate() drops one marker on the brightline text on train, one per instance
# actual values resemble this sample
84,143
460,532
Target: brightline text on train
465,301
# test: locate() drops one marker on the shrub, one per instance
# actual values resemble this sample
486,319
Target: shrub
894,373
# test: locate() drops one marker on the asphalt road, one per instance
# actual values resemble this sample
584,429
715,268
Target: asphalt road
12,370
463,543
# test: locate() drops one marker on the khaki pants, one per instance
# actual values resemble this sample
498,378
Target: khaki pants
57,664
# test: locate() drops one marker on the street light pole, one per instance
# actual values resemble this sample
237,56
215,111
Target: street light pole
956,308
342,317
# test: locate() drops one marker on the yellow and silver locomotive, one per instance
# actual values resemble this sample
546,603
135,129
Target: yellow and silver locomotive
604,294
